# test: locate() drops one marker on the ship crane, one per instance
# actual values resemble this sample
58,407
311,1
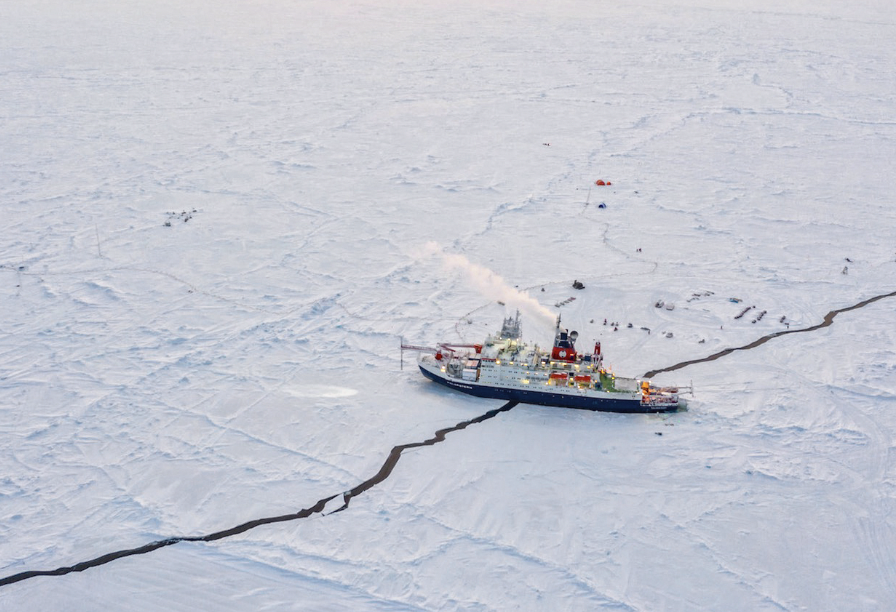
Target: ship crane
437,350
451,347
416,348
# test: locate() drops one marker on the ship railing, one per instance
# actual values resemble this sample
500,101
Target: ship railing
658,400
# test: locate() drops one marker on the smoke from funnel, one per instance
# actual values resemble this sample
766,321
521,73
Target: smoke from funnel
495,288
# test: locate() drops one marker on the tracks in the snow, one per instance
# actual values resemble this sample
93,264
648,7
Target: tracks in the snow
317,508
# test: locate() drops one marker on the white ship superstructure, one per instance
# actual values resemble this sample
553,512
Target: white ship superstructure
505,367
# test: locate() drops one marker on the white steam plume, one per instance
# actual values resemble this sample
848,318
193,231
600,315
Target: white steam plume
493,287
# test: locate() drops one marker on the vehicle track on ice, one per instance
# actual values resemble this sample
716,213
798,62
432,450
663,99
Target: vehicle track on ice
318,508
827,322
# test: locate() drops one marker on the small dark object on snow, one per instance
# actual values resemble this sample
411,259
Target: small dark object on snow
845,270
743,312
703,341
630,325
542,289
849,260
601,205
659,433
577,285
167,223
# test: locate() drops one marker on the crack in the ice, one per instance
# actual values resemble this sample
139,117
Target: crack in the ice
391,461
827,322
318,507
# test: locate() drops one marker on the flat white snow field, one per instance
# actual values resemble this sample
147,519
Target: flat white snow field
219,219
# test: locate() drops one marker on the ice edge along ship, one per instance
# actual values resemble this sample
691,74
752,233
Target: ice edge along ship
504,367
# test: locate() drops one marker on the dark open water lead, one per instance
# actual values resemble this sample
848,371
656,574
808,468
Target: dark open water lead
828,320
389,465
380,476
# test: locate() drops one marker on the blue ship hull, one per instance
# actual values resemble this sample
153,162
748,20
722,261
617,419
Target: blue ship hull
543,398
